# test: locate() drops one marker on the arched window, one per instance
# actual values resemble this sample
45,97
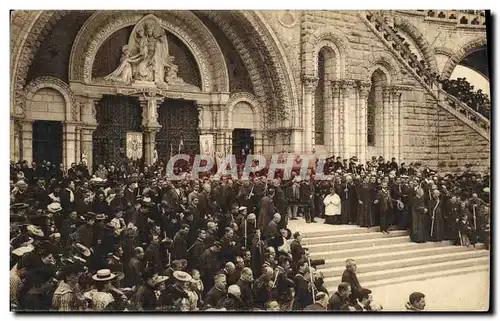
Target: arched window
375,109
319,102
326,72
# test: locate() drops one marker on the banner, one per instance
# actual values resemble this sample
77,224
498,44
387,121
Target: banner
207,144
134,145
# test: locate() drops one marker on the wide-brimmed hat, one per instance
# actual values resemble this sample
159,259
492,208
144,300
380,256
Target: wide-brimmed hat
19,206
20,251
182,276
90,215
35,230
103,275
251,216
54,207
157,279
242,208
85,251
400,205
100,217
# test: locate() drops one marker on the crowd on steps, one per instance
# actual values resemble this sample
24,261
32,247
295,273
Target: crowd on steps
128,238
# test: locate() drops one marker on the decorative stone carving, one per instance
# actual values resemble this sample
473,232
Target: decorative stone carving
183,24
146,56
310,83
364,88
271,136
286,135
287,18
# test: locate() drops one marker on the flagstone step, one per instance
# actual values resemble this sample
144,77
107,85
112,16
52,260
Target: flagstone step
418,277
366,243
351,237
365,268
387,254
387,274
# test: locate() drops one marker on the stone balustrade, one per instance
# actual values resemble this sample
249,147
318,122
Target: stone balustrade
460,17
467,111
423,71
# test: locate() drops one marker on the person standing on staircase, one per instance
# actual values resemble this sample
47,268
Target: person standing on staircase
349,276
384,202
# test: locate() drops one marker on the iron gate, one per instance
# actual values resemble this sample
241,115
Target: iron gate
116,115
179,121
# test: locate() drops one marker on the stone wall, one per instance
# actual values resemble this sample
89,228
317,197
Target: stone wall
46,104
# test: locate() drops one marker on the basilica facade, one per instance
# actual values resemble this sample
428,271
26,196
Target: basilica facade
102,86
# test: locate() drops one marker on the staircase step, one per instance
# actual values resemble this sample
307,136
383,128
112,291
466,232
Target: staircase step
350,237
364,269
419,277
387,254
340,230
376,242
364,278
359,252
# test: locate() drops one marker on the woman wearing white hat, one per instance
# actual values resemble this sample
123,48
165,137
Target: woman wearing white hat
100,298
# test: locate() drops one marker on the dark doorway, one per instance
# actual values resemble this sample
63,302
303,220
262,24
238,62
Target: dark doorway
47,141
179,122
242,143
116,115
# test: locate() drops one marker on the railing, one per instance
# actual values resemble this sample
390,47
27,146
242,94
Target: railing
420,68
467,111
460,17
402,47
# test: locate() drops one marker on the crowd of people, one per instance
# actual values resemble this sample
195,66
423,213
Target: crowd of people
130,239
464,91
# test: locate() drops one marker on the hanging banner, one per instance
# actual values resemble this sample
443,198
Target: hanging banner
134,145
207,144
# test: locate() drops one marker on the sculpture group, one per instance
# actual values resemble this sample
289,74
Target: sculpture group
145,58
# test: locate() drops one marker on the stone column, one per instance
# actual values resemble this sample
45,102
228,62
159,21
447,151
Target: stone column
88,114
86,146
364,89
396,95
309,86
328,117
386,103
27,140
69,146
336,112
345,130
150,126
15,139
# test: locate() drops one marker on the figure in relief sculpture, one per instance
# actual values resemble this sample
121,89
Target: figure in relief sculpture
146,56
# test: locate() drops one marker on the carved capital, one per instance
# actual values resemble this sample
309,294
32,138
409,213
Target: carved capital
286,135
346,86
271,135
364,88
310,82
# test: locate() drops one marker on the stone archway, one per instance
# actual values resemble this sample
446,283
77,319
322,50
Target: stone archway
460,54
183,24
326,37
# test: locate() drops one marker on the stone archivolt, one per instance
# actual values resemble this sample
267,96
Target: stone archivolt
72,105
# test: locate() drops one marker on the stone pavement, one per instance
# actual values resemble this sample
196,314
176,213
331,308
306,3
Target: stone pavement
467,292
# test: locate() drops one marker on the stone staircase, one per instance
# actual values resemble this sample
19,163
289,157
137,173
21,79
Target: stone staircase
421,73
389,259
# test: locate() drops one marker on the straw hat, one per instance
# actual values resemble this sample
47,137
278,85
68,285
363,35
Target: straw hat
54,207
103,275
157,279
35,230
20,251
182,276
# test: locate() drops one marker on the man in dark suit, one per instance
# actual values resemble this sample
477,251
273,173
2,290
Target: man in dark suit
196,250
246,286
272,230
303,288
338,301
297,251
384,202
349,276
